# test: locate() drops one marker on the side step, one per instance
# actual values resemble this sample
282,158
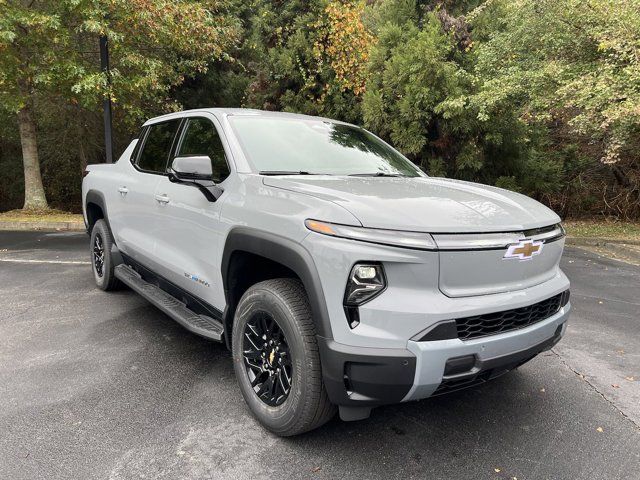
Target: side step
199,324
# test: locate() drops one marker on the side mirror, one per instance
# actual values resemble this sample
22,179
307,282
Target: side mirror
196,171
197,167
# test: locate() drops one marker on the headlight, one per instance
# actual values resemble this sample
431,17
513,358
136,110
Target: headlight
396,238
366,281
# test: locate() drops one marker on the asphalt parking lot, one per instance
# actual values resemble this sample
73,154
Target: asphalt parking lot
103,385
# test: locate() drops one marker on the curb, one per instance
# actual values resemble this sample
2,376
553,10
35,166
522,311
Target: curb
42,226
600,242
624,250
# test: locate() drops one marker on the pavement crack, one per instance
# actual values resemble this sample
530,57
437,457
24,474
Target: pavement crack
594,388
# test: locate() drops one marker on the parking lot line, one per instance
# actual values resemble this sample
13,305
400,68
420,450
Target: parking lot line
64,262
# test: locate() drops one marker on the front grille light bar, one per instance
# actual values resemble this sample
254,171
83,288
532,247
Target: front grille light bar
491,241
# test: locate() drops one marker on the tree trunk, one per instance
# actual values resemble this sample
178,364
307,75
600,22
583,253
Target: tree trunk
34,197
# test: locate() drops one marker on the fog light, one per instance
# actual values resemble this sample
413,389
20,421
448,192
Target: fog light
366,281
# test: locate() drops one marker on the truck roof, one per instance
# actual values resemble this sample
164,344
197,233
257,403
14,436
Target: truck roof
225,112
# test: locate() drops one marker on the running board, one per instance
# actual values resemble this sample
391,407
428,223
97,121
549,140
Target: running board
199,324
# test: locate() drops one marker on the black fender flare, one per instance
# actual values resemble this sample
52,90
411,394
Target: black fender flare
286,252
97,198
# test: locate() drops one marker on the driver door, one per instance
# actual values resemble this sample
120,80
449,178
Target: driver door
189,244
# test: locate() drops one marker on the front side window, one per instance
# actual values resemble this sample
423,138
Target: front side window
201,138
157,146
315,146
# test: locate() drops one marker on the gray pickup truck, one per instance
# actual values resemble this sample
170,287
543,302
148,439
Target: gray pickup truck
339,274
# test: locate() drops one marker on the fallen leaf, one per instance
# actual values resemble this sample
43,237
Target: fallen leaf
600,429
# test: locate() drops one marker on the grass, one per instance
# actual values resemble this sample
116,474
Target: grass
603,229
40,216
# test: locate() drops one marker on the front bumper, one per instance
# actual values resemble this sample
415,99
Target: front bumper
363,376
368,377
494,355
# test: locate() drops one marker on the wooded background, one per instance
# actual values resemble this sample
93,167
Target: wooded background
538,96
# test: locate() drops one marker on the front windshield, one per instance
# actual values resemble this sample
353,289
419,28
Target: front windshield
313,146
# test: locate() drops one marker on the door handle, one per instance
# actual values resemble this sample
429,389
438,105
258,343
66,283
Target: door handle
162,198
123,190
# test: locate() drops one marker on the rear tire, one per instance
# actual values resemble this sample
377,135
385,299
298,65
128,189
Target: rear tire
101,259
284,304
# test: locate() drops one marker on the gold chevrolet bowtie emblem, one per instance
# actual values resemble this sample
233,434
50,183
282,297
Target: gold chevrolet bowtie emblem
272,355
527,250
524,250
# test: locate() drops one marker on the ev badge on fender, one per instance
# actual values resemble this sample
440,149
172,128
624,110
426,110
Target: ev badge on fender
524,250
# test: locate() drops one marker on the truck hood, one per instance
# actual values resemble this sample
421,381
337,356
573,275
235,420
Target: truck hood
424,204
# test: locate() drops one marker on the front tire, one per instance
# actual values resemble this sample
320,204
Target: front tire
276,358
101,259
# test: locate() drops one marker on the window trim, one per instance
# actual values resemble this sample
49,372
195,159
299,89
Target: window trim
183,131
138,148
147,128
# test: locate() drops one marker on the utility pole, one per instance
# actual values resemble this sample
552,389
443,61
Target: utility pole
106,102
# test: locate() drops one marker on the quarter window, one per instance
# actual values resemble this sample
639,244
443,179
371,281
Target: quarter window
157,146
201,138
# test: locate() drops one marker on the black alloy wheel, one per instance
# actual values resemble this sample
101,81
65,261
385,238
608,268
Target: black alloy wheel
267,359
98,255
276,358
103,262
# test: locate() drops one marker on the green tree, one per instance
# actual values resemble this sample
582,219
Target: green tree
307,56
412,70
570,72
48,50
575,62
419,76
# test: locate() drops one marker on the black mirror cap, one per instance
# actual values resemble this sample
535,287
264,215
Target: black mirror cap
192,167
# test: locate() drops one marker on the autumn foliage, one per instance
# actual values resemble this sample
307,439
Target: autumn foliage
345,43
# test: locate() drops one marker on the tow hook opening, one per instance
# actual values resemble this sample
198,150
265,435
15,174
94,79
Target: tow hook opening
460,365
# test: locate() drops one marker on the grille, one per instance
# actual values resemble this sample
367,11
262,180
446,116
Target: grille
453,385
448,386
500,322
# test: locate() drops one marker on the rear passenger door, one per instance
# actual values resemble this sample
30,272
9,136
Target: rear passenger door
190,243
139,220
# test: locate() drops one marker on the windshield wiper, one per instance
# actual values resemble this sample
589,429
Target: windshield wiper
377,174
288,172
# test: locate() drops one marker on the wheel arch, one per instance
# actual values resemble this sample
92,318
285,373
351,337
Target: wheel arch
270,251
95,208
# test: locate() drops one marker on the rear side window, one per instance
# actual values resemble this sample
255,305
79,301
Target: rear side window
157,146
201,138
